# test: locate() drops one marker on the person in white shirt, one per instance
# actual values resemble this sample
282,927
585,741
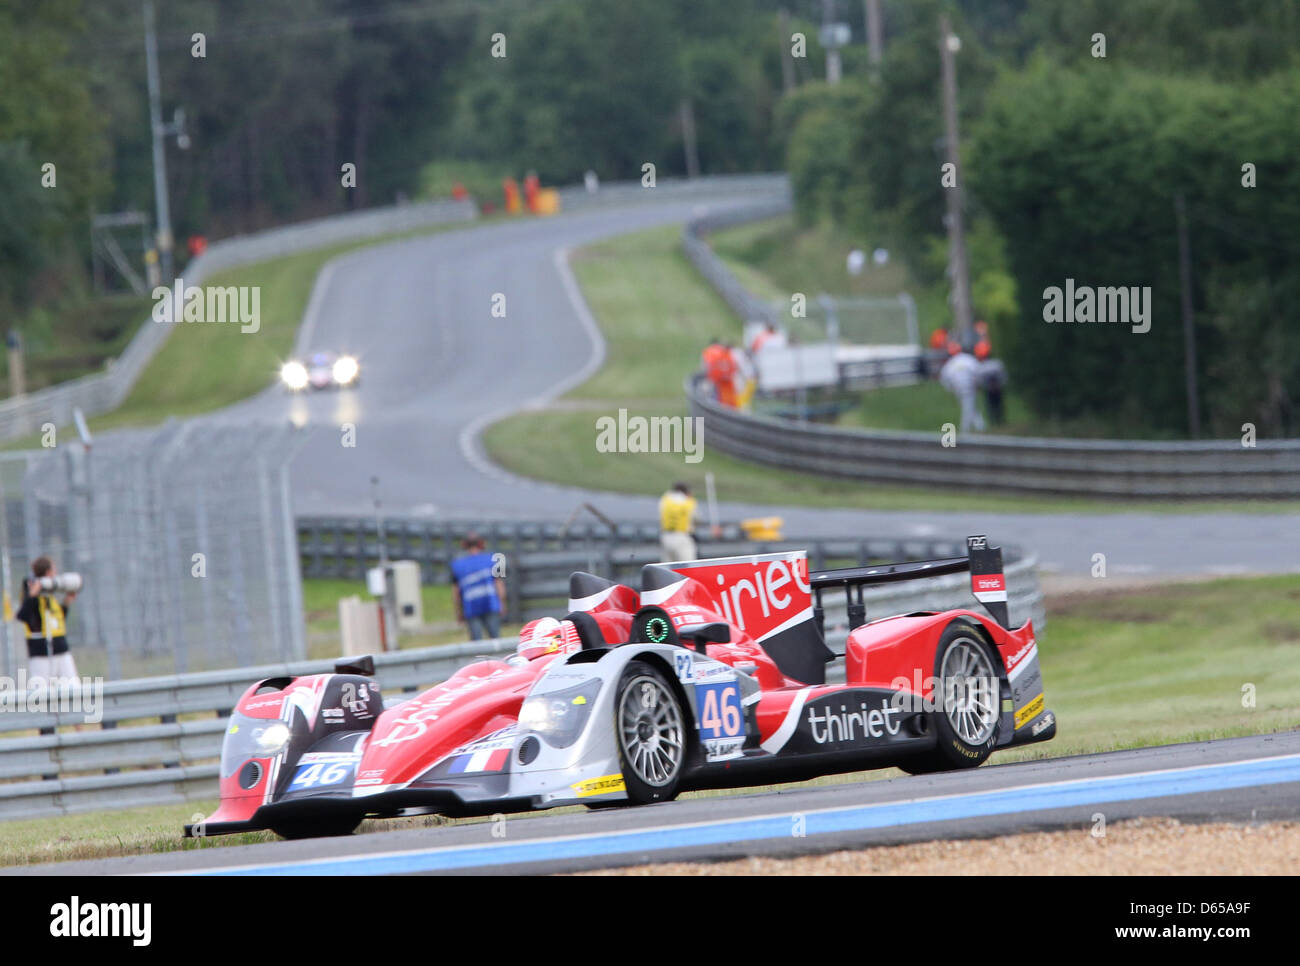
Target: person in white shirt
960,376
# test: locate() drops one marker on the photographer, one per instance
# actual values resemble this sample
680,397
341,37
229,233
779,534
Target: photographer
47,622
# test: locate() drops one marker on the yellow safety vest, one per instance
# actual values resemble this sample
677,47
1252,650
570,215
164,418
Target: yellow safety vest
53,623
676,512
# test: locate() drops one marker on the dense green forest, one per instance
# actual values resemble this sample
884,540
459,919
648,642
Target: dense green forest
1071,160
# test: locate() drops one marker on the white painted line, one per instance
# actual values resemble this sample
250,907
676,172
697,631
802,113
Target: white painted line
307,331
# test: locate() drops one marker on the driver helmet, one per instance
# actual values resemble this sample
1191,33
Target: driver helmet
539,637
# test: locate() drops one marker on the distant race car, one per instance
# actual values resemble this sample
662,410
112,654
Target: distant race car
321,370
714,675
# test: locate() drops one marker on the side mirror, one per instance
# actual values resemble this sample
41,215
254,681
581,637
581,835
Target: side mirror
363,665
714,632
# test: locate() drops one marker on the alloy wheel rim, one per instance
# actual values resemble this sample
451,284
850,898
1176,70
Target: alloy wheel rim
970,691
650,728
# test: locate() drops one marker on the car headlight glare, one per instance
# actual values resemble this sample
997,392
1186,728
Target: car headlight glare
294,375
271,739
559,716
345,369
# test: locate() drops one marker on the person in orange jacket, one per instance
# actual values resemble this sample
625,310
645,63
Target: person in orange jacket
722,373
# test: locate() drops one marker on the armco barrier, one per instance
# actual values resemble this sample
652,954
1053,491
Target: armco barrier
1270,469
540,556
747,306
142,754
141,729
979,462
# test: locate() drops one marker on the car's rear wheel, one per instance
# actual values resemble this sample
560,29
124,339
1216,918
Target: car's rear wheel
968,696
650,729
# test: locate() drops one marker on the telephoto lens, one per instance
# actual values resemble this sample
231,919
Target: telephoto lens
68,583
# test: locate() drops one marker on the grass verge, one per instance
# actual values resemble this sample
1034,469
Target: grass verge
656,314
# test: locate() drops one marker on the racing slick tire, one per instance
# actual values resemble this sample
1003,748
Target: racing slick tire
968,688
318,828
650,731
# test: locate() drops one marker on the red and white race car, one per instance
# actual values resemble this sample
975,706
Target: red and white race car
714,674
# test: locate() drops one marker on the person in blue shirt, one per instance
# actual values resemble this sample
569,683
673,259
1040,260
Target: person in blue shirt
477,590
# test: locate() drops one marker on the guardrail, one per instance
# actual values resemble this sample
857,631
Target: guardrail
166,760
576,197
1145,469
981,463
541,556
744,303
159,738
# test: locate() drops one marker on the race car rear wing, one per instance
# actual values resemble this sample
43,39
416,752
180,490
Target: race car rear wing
984,563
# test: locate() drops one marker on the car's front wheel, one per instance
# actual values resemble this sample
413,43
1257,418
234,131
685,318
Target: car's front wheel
651,732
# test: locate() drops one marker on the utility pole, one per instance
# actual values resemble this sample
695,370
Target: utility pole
388,599
787,58
958,268
17,370
688,139
875,41
1189,330
830,42
159,132
8,660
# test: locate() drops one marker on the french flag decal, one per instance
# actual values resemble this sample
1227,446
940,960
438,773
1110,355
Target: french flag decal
479,761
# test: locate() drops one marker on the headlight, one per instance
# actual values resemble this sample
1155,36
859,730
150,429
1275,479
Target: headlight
248,738
294,375
345,370
559,716
271,739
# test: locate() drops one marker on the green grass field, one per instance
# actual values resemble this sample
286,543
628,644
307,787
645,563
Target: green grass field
1122,669
1130,668
775,257
320,599
657,314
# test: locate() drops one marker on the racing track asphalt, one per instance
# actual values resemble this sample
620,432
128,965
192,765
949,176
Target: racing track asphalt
438,368
1236,780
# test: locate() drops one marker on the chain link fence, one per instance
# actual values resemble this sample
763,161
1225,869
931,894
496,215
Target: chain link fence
854,320
185,539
